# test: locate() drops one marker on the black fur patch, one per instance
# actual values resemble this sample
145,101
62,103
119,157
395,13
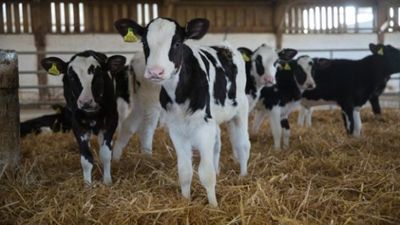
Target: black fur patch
285,124
164,98
226,59
259,65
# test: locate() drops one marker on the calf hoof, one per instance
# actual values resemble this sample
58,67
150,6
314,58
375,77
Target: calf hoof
107,181
213,204
116,157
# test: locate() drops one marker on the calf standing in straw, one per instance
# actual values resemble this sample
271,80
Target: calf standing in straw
90,96
201,88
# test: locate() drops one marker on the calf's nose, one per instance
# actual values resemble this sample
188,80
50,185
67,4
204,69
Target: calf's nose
310,86
85,103
155,72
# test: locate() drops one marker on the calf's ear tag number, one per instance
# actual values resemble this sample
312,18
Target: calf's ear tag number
54,70
130,36
380,51
287,66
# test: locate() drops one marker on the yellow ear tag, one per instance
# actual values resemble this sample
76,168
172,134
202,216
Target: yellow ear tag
130,36
380,51
245,57
54,70
287,66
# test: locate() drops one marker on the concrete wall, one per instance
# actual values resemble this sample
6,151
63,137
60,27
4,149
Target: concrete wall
316,45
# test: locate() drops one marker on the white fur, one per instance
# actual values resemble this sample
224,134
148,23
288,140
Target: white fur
159,39
357,122
87,170
144,111
269,57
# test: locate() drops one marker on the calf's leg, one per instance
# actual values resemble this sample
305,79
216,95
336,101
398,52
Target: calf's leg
183,150
347,114
276,128
357,122
146,131
376,107
259,116
302,116
217,149
128,127
83,139
205,140
239,138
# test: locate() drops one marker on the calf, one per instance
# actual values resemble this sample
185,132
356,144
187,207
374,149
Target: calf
279,100
90,96
351,83
201,88
260,70
59,121
145,111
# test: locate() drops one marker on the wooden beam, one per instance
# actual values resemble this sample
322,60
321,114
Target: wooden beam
17,22
10,153
76,17
40,17
25,16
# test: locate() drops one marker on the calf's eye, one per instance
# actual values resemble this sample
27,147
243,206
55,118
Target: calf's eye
177,44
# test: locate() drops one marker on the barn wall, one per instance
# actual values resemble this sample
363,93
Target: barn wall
113,42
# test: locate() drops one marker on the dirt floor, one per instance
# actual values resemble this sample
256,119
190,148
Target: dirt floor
325,177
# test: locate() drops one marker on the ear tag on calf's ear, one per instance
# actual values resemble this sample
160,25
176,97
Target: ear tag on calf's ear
54,70
380,51
130,36
245,57
287,66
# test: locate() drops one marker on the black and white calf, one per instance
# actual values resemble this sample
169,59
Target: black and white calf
59,121
90,96
260,70
201,88
144,111
293,77
351,83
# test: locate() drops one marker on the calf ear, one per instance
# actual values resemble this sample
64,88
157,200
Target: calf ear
116,63
377,49
54,66
287,54
246,53
197,28
129,30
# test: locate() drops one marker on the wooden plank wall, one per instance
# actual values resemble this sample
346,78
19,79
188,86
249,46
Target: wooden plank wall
228,16
17,18
234,16
299,17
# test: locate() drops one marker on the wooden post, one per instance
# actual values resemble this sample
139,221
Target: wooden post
9,110
41,26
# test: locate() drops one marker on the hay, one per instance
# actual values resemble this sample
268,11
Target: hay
325,177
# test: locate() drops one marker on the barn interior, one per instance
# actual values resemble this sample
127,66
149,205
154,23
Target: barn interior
324,177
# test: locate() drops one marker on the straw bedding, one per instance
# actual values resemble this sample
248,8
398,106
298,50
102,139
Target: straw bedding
325,177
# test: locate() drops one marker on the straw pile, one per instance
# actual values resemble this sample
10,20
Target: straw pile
325,177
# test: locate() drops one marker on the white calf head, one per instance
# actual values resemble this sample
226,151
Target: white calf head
263,69
163,43
85,77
